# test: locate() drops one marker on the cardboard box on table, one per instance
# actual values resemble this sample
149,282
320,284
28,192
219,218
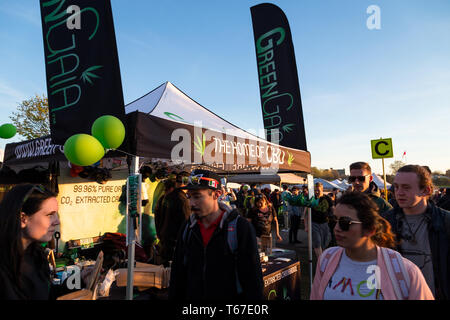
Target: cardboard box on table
145,276
90,292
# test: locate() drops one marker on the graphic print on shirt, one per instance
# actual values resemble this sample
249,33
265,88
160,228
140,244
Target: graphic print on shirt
415,245
345,287
353,280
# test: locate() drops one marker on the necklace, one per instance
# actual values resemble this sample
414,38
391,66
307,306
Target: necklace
412,238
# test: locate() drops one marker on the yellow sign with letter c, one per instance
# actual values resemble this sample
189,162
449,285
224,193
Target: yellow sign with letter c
382,148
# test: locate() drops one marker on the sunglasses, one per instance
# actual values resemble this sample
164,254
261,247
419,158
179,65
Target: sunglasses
345,222
200,180
36,187
359,178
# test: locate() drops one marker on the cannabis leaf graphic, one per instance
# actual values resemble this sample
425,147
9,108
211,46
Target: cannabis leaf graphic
290,159
87,74
200,145
288,127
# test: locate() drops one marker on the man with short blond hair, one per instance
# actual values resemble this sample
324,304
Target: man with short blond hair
422,229
320,211
362,181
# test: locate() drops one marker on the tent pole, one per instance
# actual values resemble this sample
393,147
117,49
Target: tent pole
131,232
311,192
384,180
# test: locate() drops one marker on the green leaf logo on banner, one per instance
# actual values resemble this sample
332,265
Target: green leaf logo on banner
290,159
288,127
200,145
87,74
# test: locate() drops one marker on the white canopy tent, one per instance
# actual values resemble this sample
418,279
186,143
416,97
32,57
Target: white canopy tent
162,122
233,185
379,181
327,185
341,183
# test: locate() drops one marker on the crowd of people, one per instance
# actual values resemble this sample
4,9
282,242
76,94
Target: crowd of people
210,236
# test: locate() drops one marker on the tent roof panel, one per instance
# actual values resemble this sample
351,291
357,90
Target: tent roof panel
148,102
289,178
170,103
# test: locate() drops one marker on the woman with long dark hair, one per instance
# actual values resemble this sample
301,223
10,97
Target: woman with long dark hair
28,218
362,266
262,216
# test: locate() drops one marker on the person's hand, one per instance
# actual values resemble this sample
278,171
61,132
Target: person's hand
279,238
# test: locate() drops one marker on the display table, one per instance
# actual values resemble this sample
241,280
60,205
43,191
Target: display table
281,278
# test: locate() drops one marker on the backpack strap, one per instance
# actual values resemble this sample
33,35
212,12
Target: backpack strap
326,257
186,237
232,235
397,273
233,245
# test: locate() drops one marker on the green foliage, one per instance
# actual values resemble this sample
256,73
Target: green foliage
31,118
441,181
396,165
327,174
390,178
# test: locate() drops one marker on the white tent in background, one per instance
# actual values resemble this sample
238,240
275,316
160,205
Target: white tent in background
341,183
233,185
272,187
380,182
327,185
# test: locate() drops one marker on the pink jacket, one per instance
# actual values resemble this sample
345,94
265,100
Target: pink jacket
418,289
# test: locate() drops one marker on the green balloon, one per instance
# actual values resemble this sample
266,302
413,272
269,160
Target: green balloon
109,130
83,150
7,131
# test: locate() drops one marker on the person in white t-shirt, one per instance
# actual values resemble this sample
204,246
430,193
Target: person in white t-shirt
363,267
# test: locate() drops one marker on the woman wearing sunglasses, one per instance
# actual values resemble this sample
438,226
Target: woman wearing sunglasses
362,267
28,218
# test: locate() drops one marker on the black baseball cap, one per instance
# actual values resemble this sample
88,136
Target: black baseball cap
202,179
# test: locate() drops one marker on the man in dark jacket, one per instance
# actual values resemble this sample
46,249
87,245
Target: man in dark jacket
172,211
444,201
205,268
422,229
361,180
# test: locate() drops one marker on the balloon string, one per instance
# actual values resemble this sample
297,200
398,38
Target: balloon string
127,154
122,152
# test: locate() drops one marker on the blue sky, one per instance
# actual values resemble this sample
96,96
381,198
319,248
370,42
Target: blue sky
356,84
